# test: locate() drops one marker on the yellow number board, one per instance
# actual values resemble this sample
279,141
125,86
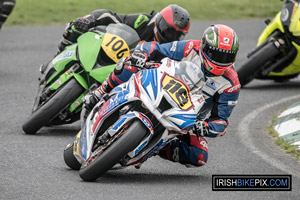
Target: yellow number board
177,90
77,143
115,47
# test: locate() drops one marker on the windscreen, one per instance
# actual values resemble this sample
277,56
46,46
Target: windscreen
190,73
125,32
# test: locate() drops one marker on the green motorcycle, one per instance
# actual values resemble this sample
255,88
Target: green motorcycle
71,73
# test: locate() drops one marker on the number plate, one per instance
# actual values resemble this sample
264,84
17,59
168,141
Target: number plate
115,47
177,90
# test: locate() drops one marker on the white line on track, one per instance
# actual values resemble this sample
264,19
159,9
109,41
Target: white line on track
246,137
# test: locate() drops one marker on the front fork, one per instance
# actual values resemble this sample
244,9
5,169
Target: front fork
282,43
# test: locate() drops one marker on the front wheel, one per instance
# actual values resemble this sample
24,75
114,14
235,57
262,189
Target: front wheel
114,152
44,114
248,71
70,159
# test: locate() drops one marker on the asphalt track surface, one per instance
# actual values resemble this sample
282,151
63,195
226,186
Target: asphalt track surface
32,167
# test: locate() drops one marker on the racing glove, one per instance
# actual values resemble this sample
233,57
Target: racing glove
200,128
138,59
82,24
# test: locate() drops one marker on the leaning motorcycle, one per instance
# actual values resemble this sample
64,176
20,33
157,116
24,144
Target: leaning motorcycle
277,55
70,74
137,119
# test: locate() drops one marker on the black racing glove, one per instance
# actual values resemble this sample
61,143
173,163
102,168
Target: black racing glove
138,59
200,128
83,24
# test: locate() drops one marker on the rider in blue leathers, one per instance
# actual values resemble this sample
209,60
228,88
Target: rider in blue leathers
215,55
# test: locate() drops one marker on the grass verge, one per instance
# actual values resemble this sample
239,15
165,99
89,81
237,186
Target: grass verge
58,12
283,144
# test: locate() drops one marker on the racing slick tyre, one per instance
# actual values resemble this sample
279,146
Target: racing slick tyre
46,112
248,71
70,159
99,165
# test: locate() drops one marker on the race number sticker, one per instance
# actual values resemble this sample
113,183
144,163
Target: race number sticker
115,47
177,90
76,148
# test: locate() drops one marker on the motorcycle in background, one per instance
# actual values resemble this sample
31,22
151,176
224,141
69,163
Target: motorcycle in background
277,55
137,119
70,74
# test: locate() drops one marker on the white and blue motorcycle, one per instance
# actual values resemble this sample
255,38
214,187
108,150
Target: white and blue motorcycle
137,119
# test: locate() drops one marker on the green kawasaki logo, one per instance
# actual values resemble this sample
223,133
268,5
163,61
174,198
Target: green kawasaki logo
140,20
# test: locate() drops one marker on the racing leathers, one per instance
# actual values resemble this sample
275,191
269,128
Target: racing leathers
220,92
142,23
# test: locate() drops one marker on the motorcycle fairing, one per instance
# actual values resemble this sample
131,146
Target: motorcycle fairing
88,44
109,106
149,88
124,119
142,81
184,121
289,16
150,150
149,83
100,74
62,60
275,24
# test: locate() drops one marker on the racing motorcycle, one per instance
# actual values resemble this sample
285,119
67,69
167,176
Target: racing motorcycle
137,119
71,73
277,55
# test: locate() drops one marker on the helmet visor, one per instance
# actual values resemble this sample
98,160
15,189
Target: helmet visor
219,56
167,33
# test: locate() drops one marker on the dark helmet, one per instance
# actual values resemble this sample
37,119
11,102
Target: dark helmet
171,24
219,47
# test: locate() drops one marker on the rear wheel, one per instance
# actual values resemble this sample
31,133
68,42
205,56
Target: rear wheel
44,114
248,71
100,164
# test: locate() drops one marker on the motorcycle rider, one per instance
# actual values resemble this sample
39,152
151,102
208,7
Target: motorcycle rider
170,24
215,54
6,6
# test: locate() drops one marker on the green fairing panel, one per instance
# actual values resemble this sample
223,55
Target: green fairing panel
100,74
66,76
89,46
62,59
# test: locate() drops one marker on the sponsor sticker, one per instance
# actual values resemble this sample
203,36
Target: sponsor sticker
67,54
174,45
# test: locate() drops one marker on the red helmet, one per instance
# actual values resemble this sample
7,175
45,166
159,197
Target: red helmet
171,24
219,47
